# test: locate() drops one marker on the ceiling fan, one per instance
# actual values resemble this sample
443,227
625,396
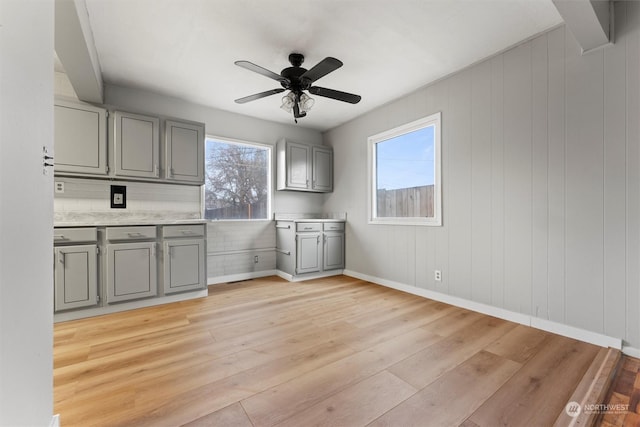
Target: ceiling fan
297,80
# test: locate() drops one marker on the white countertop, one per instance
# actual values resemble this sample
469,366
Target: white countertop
111,222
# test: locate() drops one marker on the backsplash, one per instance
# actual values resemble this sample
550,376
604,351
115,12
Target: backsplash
89,199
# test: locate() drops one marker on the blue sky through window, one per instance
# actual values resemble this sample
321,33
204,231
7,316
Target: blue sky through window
406,161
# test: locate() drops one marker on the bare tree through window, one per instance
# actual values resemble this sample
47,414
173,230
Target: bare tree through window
236,180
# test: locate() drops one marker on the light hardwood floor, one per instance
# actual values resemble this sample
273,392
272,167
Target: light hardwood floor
335,352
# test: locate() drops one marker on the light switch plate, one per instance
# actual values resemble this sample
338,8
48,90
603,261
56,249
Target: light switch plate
59,186
118,197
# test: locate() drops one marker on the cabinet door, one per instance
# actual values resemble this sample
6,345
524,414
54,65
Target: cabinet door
309,256
333,250
75,277
184,151
298,162
80,138
322,169
184,265
131,271
137,145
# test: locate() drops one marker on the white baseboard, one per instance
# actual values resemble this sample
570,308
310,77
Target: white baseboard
55,421
240,276
631,351
308,276
524,319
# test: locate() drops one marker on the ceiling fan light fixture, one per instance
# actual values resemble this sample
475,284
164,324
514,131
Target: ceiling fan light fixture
287,102
306,103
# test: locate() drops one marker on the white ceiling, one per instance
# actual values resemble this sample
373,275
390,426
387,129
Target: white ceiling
187,48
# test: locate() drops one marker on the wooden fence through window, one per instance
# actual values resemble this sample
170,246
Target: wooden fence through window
406,202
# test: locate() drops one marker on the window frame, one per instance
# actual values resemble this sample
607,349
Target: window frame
270,169
431,120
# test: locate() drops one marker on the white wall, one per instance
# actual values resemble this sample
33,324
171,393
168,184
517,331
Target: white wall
26,213
541,184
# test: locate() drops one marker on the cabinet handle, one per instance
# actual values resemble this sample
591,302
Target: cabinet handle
155,169
61,257
187,232
283,226
135,234
153,249
58,237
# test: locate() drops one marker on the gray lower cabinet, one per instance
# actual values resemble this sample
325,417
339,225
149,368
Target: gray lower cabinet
131,271
184,258
307,248
131,268
309,255
75,269
100,266
333,250
75,276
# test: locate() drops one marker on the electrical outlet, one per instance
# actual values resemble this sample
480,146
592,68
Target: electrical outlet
59,187
437,275
255,259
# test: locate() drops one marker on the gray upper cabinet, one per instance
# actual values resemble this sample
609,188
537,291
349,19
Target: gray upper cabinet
303,167
80,138
322,159
91,141
297,166
137,145
184,145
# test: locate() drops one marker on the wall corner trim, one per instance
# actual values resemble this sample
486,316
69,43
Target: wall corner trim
524,319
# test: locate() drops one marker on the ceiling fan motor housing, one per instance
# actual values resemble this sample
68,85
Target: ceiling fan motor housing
293,74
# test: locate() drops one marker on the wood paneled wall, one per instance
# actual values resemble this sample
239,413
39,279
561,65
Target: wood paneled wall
541,184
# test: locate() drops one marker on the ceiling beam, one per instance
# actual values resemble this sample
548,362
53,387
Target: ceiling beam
75,47
590,21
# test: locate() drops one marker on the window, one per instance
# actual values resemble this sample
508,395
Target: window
237,180
404,166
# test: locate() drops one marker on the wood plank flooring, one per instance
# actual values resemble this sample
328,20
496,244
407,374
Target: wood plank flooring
624,397
335,352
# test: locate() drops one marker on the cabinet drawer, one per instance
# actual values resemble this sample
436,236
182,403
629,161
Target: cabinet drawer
308,226
333,226
131,233
74,235
170,231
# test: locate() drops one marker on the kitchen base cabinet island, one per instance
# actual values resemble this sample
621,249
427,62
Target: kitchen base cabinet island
105,269
309,248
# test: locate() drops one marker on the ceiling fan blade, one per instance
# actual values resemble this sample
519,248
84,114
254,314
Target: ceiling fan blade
258,95
260,70
321,69
335,94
